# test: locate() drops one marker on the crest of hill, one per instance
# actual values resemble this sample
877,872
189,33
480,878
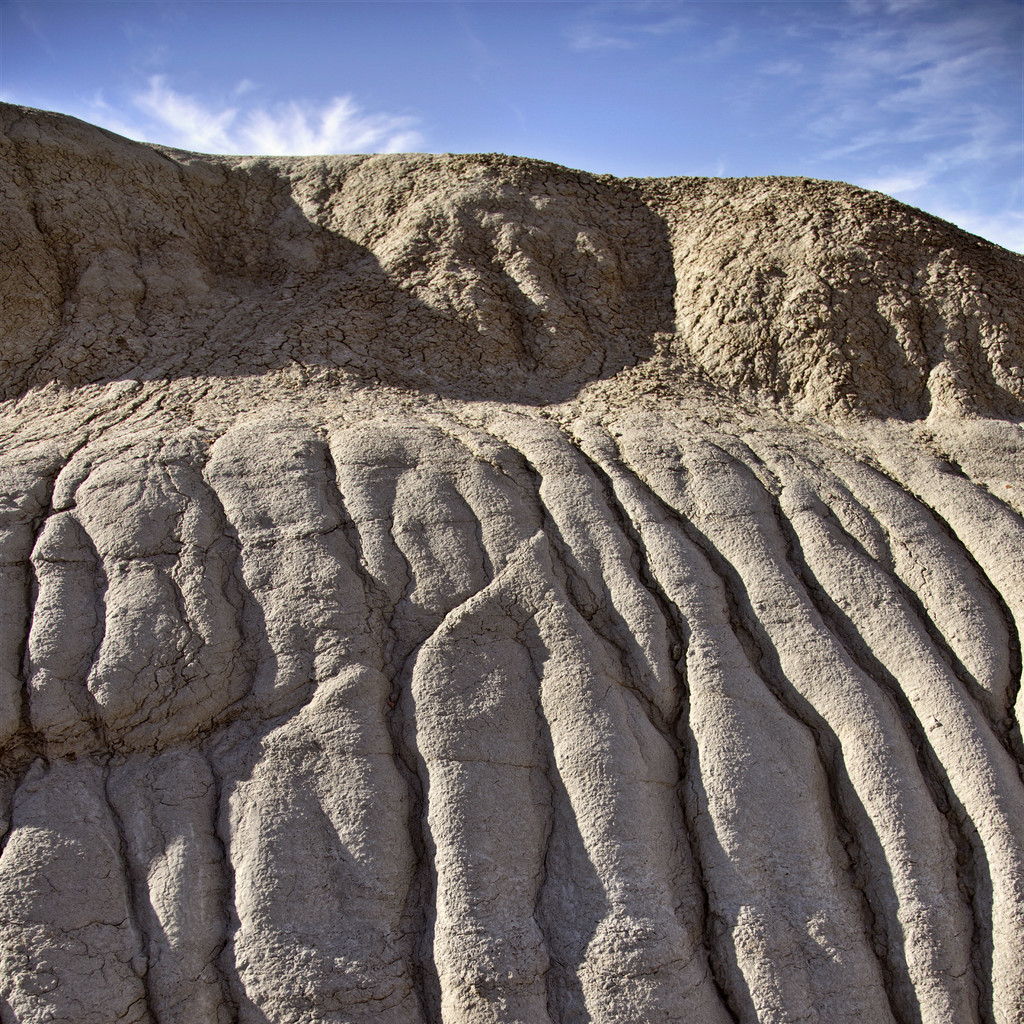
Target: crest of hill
490,276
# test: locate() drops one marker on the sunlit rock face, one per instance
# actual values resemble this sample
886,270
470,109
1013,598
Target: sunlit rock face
461,589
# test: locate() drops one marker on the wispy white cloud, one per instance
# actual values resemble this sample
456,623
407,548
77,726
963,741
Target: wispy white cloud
337,127
487,61
910,74
666,25
922,100
623,26
926,188
899,184
190,124
868,7
32,24
785,67
173,118
1005,228
590,37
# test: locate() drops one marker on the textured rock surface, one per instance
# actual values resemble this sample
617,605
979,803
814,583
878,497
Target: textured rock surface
463,589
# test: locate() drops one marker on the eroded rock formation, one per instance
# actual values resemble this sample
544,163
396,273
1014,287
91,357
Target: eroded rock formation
444,588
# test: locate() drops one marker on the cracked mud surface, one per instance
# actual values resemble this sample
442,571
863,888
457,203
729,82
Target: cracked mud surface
460,589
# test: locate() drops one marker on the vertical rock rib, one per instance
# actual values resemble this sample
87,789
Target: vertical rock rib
425,551
740,712
165,808
474,696
832,683
981,774
596,448
938,572
67,632
633,652
323,766
68,947
805,523
26,490
990,531
403,745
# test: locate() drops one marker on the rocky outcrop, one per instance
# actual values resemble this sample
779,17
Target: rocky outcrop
462,589
489,276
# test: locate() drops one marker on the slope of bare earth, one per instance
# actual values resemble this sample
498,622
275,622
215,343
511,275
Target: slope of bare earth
461,589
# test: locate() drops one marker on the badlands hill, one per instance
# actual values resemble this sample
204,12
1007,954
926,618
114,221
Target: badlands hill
462,589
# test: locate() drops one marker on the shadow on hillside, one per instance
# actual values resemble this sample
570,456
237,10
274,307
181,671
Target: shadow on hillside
240,282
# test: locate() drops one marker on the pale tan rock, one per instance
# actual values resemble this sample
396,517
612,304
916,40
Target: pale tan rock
462,589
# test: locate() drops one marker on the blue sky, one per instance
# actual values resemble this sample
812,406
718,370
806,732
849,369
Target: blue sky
923,99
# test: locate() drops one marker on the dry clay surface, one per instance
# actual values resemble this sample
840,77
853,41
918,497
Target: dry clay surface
465,590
